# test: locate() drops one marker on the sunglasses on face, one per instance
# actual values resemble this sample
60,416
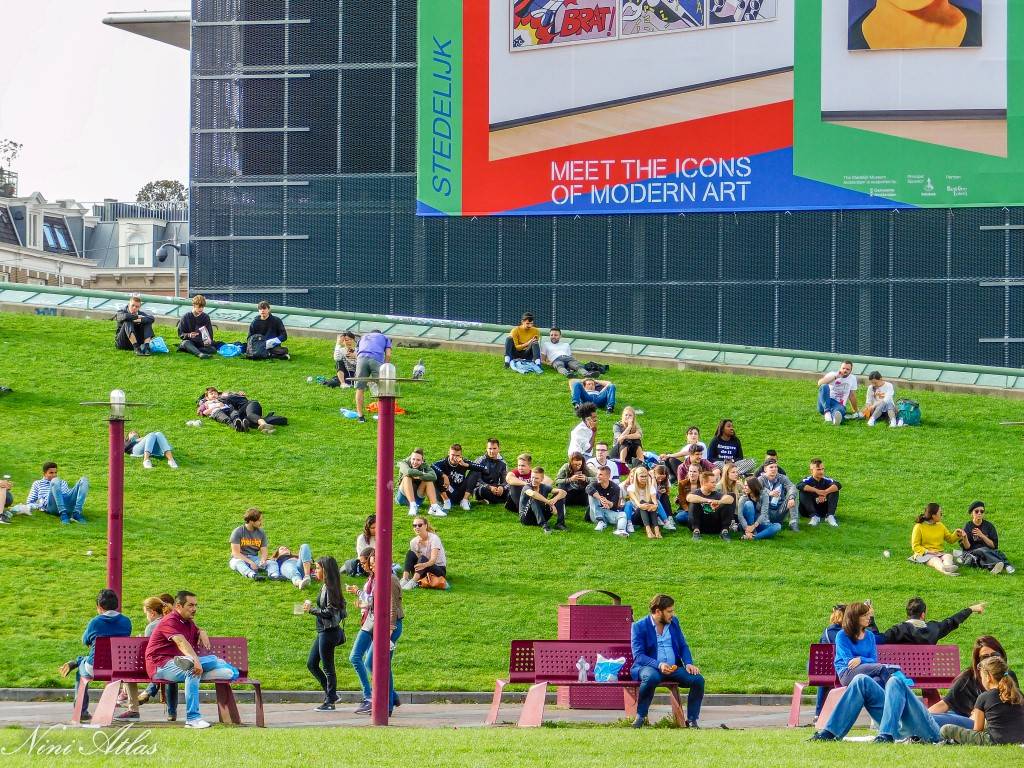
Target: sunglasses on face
417,525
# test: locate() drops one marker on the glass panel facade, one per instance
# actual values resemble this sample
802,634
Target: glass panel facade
878,283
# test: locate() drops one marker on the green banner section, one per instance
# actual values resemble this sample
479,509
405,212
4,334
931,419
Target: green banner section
917,157
439,105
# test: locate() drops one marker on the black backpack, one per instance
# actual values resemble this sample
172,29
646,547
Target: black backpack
256,348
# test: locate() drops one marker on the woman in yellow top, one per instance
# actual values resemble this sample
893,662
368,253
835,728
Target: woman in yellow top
929,539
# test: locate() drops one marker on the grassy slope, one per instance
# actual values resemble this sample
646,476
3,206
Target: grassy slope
749,610
483,748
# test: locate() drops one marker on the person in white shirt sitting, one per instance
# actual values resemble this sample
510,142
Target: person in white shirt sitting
581,439
880,400
558,354
835,390
601,460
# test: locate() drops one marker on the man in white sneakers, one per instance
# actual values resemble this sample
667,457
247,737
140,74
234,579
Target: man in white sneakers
880,400
606,506
452,483
835,390
416,481
819,495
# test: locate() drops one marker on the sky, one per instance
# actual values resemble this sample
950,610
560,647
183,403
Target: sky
99,110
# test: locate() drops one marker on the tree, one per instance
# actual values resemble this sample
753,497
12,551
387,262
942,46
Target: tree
9,150
163,191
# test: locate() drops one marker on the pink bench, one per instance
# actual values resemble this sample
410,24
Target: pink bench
541,663
931,667
123,660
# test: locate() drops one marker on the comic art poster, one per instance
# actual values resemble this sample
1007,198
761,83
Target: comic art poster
644,17
909,24
542,23
736,11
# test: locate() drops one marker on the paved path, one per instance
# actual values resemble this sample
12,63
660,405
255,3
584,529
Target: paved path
31,714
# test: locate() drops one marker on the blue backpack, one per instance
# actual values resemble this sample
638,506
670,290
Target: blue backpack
909,412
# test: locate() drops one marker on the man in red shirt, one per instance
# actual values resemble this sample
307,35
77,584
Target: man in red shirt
172,656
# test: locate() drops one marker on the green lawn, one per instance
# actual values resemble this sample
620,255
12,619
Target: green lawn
749,610
479,748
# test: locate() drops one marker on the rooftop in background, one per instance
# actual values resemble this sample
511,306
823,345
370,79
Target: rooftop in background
170,27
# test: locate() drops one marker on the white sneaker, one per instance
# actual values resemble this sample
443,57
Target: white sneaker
21,509
414,509
197,723
900,423
303,582
437,511
831,520
997,568
828,416
409,584
629,528
464,504
670,524
601,525
172,464
871,421
815,520
147,464
621,532
447,505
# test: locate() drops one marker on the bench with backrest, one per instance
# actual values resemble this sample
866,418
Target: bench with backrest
931,667
541,663
100,674
128,665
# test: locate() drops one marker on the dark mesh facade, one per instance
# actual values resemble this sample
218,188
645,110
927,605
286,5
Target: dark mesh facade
303,193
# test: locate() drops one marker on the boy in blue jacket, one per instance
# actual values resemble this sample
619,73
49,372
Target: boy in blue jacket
660,653
109,622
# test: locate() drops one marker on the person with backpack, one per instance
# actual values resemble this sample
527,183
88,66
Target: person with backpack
880,400
134,328
330,613
266,336
196,331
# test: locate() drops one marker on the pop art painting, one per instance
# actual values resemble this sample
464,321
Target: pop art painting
645,17
739,11
880,25
544,23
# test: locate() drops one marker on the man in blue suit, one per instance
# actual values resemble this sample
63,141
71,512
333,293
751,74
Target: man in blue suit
660,653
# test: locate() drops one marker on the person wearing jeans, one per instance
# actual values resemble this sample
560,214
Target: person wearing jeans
597,391
755,526
606,503
53,496
172,655
899,713
286,566
523,342
660,652
152,443
361,656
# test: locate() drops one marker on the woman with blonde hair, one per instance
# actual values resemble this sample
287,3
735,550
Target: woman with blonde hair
928,540
627,437
156,608
642,491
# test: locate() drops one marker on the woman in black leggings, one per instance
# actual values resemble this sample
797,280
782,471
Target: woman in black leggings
330,613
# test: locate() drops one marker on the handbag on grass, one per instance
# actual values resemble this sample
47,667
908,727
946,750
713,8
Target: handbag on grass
433,581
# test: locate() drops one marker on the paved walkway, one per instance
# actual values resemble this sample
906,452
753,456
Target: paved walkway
31,714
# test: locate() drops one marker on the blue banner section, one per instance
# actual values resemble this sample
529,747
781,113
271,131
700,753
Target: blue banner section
756,183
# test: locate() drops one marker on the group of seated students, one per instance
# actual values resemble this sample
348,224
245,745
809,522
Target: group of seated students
984,705
264,340
629,488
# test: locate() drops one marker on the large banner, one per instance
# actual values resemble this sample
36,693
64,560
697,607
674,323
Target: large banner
658,106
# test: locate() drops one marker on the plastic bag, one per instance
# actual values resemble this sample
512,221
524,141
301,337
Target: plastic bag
158,345
607,670
229,350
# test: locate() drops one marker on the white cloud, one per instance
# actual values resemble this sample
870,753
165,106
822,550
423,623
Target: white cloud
100,111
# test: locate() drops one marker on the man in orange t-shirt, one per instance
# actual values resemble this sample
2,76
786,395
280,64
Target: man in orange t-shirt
523,342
